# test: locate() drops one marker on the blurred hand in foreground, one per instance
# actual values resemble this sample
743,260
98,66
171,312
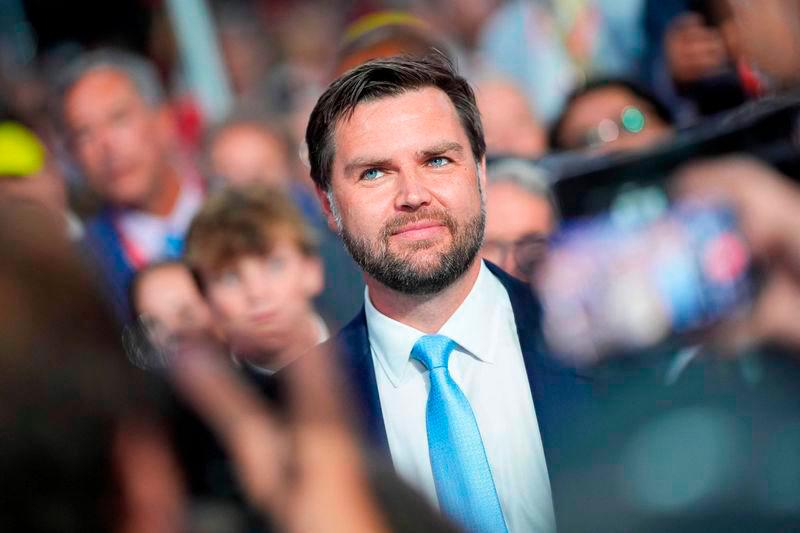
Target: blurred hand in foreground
305,470
768,207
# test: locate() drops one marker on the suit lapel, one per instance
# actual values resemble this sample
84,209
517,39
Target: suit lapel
103,242
360,370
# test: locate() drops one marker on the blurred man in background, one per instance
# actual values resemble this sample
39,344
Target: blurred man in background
121,135
246,150
521,213
510,124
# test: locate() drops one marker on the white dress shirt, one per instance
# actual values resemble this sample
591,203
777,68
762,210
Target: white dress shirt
487,364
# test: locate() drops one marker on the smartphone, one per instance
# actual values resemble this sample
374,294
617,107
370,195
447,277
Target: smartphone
640,274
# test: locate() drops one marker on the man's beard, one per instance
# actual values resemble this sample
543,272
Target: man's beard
401,272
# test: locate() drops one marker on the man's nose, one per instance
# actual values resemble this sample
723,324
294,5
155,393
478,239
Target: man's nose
412,191
106,144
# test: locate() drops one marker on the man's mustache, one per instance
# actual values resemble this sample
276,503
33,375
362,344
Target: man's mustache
404,219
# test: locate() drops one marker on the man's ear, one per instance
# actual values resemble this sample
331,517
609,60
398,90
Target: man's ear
325,202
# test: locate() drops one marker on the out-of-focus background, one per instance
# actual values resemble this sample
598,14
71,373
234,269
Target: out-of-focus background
121,121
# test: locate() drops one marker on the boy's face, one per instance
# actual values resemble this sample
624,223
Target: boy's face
259,300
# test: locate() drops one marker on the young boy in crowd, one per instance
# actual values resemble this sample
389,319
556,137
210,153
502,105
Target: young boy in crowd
255,261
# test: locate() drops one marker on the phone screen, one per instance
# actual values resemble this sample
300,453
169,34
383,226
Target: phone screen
621,282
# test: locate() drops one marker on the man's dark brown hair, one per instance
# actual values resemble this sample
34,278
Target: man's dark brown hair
381,78
240,221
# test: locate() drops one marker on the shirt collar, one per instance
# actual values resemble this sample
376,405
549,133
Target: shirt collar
189,200
391,341
471,326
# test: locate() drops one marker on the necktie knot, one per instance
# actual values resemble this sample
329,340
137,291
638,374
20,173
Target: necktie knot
433,351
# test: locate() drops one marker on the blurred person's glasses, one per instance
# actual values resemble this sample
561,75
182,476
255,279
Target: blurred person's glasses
526,251
630,122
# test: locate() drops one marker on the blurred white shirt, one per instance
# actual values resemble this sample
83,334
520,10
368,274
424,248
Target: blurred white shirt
149,234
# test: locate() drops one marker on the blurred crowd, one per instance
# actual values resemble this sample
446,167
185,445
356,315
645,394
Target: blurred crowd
164,258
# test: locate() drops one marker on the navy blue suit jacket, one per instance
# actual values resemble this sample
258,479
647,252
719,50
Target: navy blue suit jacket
105,251
557,391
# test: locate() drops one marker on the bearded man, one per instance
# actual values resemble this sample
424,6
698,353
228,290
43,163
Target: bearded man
446,357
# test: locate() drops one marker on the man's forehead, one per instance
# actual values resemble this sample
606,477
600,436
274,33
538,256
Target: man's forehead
103,77
98,89
386,115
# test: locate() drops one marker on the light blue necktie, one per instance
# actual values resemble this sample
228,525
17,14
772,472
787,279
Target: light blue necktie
461,471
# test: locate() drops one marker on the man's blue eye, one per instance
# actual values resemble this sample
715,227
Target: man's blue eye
372,174
438,161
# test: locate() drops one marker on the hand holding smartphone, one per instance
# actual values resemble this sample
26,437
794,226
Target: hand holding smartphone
615,284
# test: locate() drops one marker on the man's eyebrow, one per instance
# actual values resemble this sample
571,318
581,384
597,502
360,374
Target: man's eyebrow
364,162
368,162
439,149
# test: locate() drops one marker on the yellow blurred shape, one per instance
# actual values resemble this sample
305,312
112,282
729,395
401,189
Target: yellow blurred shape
21,151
